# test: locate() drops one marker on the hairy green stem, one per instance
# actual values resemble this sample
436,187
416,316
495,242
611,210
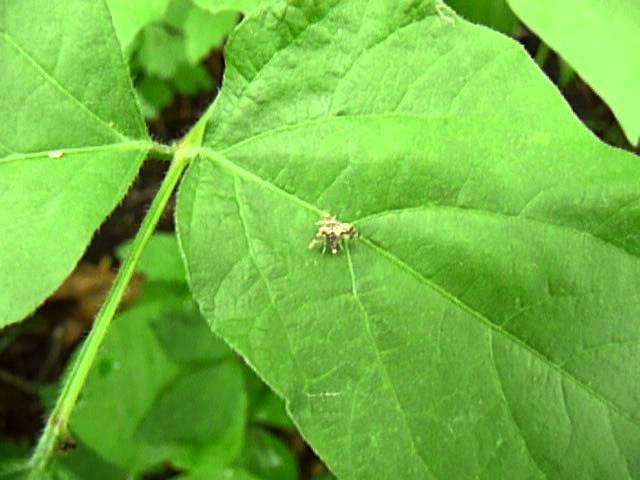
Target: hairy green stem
56,427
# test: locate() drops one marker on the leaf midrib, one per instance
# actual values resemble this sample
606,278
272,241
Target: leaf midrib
128,146
217,157
502,215
383,366
221,155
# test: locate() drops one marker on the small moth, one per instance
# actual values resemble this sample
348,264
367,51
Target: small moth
332,233
55,154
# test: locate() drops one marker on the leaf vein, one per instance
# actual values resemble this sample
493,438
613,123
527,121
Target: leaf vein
118,147
507,405
328,119
380,361
508,335
495,214
217,157
52,81
263,277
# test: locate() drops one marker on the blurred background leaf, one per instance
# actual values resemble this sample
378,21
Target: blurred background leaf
179,396
492,13
167,41
600,40
131,16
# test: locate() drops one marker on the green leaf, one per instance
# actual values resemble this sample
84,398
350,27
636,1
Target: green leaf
271,411
483,326
200,30
175,392
599,40
204,32
191,80
219,474
493,13
154,95
17,471
267,457
13,460
71,141
161,51
266,408
83,463
160,261
131,16
201,415
217,6
177,12
10,451
184,340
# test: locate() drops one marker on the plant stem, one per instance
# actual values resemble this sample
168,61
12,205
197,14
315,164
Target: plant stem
162,152
56,427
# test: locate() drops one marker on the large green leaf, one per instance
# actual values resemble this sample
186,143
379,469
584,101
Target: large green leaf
600,40
486,323
204,31
71,141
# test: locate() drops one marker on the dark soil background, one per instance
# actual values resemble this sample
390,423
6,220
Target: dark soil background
35,352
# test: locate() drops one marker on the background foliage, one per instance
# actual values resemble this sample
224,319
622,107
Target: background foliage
484,324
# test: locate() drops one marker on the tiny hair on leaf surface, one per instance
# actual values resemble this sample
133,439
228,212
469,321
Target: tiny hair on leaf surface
71,142
486,325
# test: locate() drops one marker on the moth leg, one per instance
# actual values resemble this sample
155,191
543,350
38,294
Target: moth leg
314,243
335,244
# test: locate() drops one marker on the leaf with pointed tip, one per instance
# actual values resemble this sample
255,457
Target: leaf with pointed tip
71,141
485,325
600,40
